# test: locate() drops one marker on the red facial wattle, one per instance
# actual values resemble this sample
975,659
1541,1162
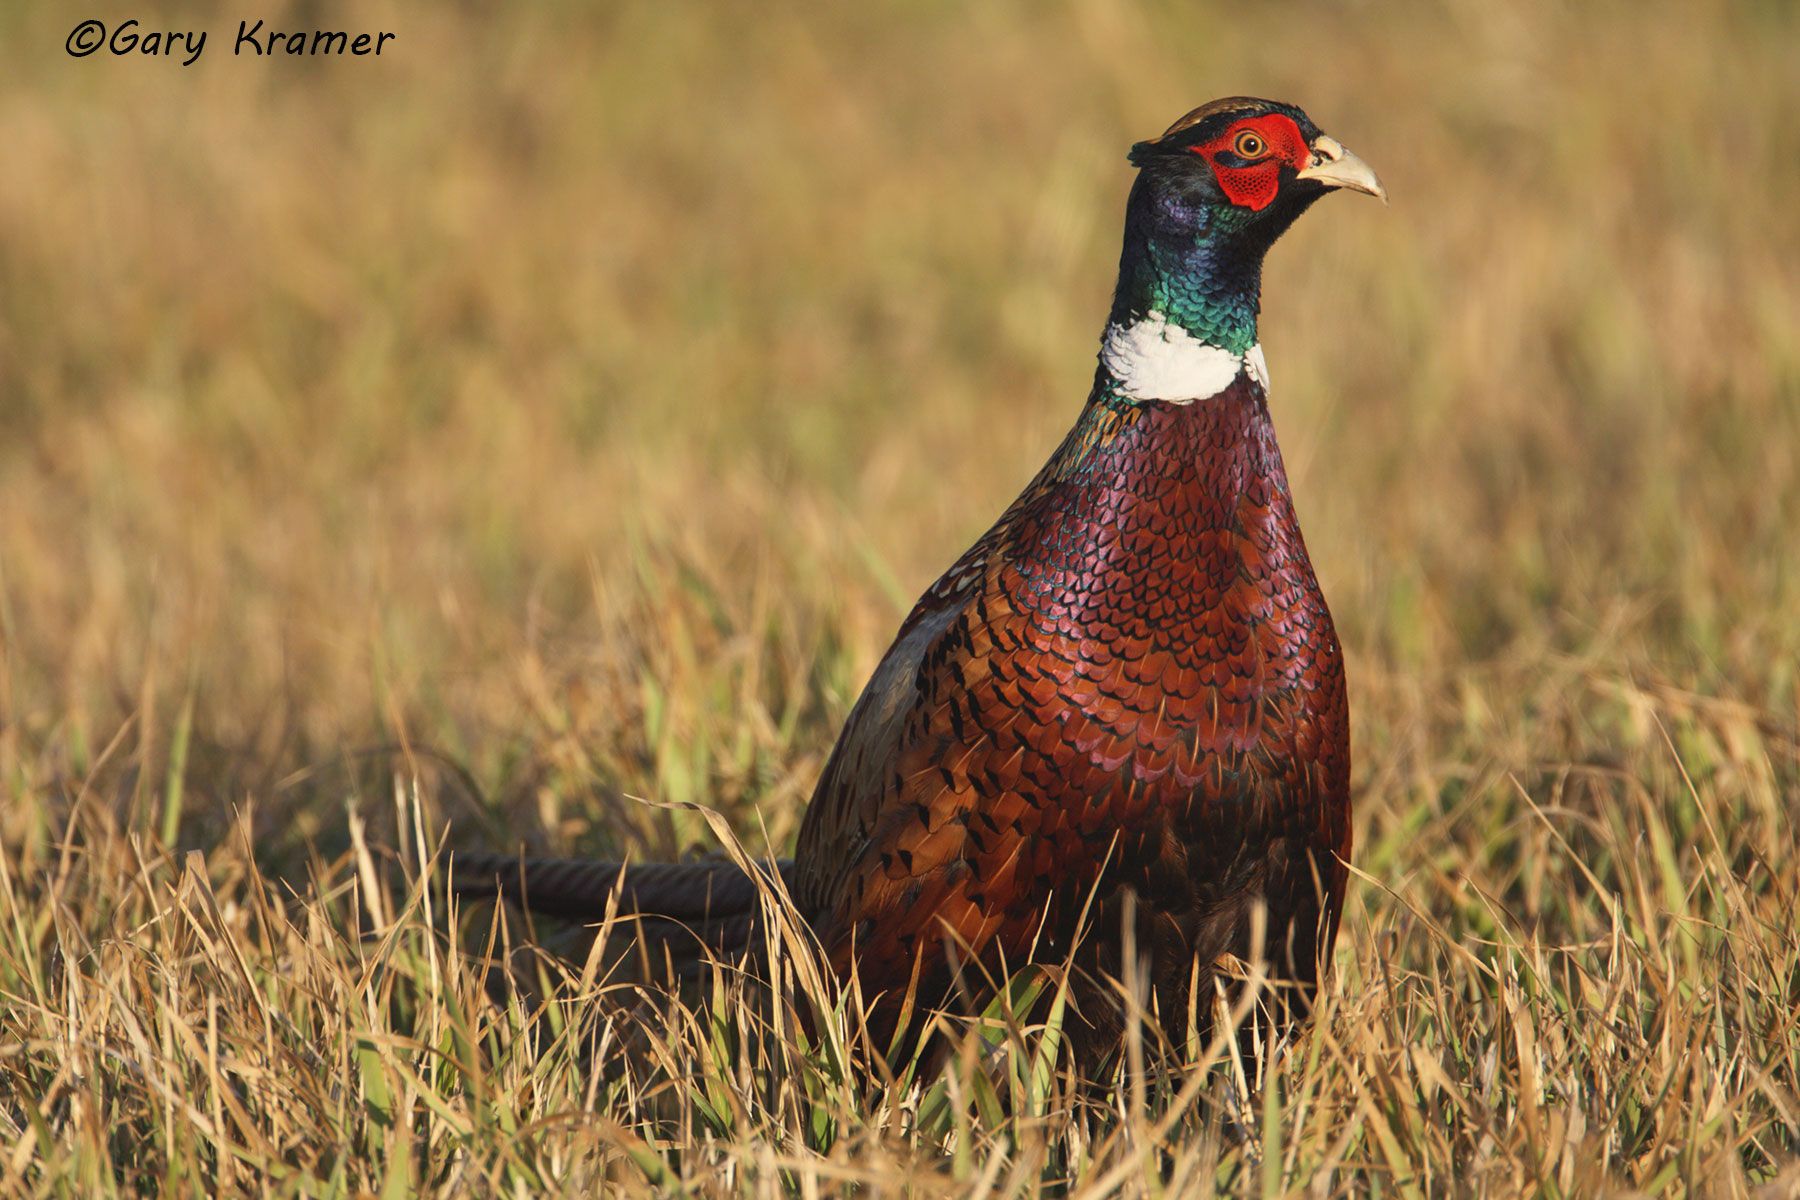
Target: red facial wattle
1254,183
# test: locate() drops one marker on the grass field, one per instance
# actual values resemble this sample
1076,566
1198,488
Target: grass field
565,407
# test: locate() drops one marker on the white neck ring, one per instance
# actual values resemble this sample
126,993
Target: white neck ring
1154,359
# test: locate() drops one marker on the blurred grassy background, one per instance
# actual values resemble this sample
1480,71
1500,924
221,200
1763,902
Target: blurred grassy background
585,392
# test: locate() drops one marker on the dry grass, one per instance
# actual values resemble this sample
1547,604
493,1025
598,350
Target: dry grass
583,394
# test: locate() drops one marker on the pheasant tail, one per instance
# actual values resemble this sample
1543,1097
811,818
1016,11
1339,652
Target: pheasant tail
712,906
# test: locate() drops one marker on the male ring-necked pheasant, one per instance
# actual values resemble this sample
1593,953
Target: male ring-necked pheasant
1130,687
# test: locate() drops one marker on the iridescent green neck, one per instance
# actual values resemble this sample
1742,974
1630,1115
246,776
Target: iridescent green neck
1190,264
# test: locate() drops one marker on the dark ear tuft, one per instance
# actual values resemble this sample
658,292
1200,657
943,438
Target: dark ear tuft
1143,152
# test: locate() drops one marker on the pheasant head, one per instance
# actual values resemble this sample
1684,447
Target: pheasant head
1212,195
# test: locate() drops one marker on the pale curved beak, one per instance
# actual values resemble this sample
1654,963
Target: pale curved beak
1336,167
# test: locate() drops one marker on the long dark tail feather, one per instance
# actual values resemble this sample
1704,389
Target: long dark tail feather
715,899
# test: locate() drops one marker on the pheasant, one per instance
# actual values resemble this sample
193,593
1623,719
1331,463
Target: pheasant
1127,699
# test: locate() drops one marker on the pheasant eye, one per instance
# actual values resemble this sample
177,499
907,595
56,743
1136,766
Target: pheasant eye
1249,145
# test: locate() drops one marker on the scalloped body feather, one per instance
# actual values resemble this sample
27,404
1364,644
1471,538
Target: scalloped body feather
1131,684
